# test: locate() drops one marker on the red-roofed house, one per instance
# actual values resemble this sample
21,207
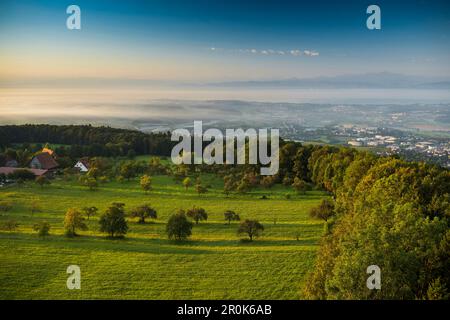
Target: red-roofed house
43,161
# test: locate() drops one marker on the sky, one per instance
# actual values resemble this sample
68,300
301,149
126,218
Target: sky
209,41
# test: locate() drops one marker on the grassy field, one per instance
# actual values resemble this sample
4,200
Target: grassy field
213,264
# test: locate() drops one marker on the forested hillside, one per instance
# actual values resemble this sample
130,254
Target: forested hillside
87,140
385,211
388,213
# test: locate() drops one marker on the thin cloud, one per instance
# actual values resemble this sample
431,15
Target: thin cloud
310,53
270,52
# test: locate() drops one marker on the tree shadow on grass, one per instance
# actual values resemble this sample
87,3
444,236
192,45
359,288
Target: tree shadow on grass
258,242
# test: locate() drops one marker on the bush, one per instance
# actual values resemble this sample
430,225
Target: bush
201,189
42,228
146,183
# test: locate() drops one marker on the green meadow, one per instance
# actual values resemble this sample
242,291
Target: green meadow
213,264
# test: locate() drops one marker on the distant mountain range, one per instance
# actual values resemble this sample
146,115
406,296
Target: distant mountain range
382,80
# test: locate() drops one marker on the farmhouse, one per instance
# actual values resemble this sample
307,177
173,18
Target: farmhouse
82,165
43,161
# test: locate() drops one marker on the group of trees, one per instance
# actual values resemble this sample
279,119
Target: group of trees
179,227
87,141
105,169
243,182
112,221
389,213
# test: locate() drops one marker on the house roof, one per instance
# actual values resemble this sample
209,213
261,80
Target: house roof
8,170
46,160
47,150
85,162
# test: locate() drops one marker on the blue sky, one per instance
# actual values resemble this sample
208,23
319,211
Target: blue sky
222,40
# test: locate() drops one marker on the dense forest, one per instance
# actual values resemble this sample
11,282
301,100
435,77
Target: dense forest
86,140
386,211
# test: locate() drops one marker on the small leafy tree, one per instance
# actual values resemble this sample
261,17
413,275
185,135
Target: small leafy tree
92,184
93,172
179,227
324,211
268,181
201,189
89,182
251,227
72,221
231,216
42,228
128,170
90,211
197,214
187,182
228,187
146,183
143,212
299,185
113,220
42,181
